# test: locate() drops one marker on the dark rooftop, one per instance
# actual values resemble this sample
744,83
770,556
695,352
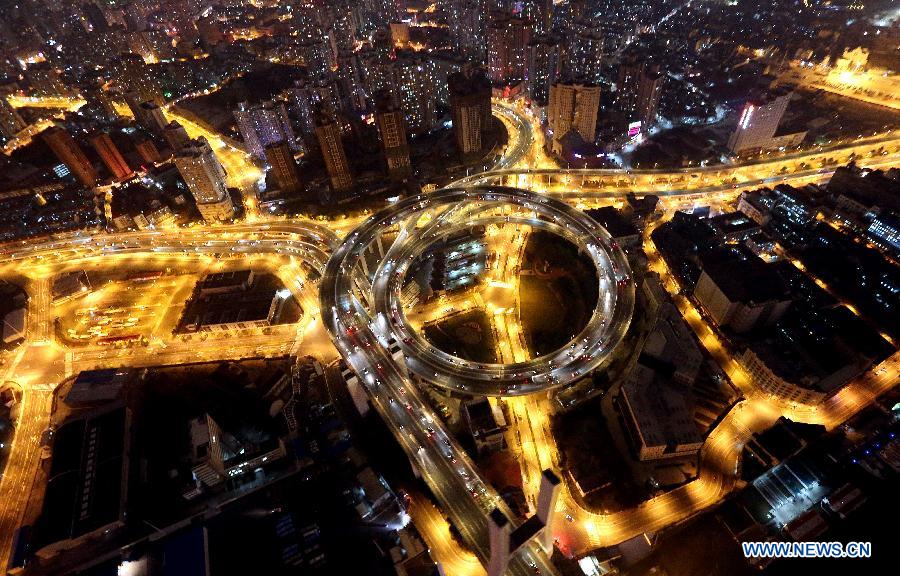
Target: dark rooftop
742,276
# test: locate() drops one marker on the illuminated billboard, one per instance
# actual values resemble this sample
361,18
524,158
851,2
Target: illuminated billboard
634,129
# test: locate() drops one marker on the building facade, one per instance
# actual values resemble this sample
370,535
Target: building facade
572,106
70,153
205,178
758,122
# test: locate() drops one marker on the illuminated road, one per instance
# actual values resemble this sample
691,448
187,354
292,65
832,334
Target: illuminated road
361,313
283,245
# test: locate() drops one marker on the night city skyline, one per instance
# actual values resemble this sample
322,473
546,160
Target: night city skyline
449,287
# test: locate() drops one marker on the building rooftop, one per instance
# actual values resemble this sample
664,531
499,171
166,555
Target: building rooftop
742,276
87,478
733,224
94,386
482,419
661,411
615,223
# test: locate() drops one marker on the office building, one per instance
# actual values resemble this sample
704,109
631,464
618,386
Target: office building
758,122
486,424
572,106
470,108
110,155
263,124
147,114
507,41
280,159
328,133
176,135
70,153
392,131
639,90
205,178
884,230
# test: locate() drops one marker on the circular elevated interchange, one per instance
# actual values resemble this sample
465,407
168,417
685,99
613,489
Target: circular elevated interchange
360,308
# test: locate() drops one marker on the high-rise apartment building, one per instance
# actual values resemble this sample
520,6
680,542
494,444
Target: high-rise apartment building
392,130
639,90
470,108
543,60
280,159
415,77
758,121
307,95
328,133
507,40
263,124
70,153
110,155
573,106
176,135
205,178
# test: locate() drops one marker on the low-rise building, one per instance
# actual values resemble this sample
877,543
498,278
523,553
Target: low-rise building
734,226
235,301
658,416
486,424
87,489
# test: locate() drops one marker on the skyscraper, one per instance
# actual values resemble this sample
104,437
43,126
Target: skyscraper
540,13
542,68
280,159
147,114
263,124
758,121
307,95
176,135
573,106
11,122
470,108
507,39
110,155
205,178
328,133
640,87
70,153
392,130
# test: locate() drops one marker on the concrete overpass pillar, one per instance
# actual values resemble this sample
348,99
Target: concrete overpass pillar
498,530
547,496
